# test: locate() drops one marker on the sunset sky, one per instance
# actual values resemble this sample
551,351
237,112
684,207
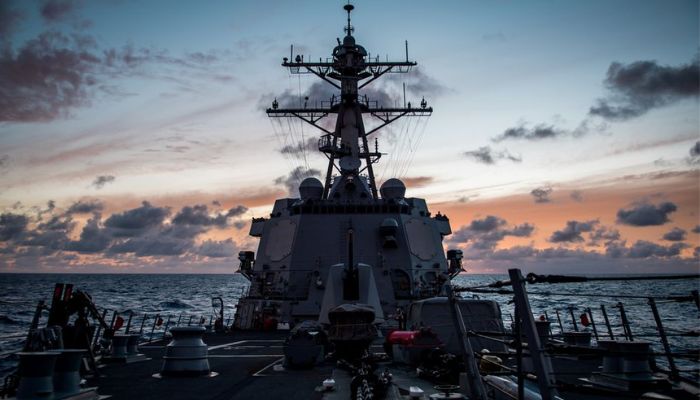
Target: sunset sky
565,136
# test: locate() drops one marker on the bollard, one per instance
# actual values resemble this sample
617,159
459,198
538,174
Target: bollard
119,343
66,376
635,360
612,360
577,338
36,375
132,344
186,354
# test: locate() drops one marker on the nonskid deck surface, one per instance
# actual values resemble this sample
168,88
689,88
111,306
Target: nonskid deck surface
244,362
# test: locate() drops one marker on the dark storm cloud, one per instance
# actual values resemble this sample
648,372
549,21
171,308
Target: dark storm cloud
645,249
484,234
12,225
541,194
102,180
51,235
294,178
604,234
644,214
489,223
143,231
694,154
576,195
237,211
199,215
156,245
486,155
217,249
54,73
45,78
538,132
572,231
641,86
93,239
675,235
56,10
310,146
137,220
85,207
695,150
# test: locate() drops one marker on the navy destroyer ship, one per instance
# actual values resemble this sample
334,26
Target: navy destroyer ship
345,239
350,297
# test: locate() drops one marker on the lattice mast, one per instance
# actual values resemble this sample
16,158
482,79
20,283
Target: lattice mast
349,69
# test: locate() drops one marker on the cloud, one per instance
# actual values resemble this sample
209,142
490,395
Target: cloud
153,245
85,207
310,146
538,132
237,211
417,181
56,10
604,233
217,249
675,235
12,225
572,231
486,155
199,215
54,73
102,180
418,83
51,236
48,76
541,194
694,154
138,220
484,234
696,229
489,223
644,214
576,195
294,178
641,86
646,249
92,239
695,150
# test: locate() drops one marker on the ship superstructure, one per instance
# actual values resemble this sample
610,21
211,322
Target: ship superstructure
345,240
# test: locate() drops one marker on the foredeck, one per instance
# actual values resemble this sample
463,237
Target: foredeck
244,362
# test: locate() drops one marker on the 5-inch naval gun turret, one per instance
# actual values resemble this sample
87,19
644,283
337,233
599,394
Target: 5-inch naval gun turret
345,240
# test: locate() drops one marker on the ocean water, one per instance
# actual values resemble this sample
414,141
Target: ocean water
187,298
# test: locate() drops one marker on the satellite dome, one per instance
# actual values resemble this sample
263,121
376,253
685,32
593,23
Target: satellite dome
393,189
311,188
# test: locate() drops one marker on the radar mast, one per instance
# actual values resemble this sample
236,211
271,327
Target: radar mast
349,69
